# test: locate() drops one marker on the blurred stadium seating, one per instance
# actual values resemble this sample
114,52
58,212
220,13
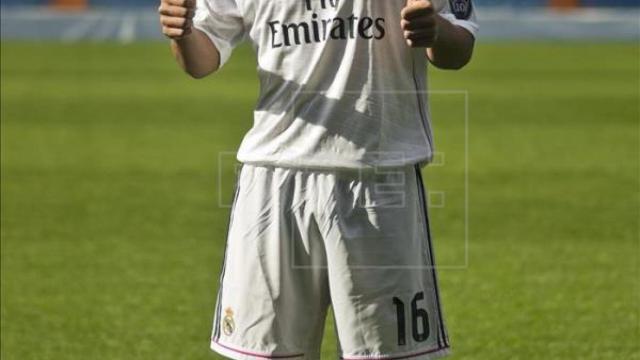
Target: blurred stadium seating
130,20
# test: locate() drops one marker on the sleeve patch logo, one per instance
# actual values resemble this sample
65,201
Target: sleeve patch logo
462,9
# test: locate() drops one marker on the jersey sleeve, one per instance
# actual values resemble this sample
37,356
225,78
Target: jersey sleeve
461,13
222,22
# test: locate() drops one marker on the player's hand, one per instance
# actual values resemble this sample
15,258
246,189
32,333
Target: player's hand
419,23
176,17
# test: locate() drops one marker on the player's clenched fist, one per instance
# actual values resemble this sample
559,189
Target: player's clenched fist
419,23
176,17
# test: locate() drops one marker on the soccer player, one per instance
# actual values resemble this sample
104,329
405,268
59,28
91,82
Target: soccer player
329,208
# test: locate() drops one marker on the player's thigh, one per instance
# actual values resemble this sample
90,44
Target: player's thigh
267,304
382,275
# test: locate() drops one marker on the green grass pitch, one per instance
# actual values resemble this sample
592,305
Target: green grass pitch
112,235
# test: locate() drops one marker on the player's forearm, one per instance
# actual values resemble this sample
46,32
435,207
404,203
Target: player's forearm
192,48
196,54
453,46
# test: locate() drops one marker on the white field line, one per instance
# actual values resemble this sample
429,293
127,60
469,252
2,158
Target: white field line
127,32
81,29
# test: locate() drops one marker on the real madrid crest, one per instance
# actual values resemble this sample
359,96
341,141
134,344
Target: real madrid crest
462,9
228,324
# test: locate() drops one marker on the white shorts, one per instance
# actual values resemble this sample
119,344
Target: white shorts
303,240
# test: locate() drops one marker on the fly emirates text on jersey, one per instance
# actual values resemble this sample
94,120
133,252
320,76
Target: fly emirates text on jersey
320,29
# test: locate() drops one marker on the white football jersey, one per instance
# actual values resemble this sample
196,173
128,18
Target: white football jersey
339,87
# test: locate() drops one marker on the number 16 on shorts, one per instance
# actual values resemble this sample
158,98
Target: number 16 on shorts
419,319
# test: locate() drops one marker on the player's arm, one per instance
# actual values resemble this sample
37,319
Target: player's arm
193,50
448,46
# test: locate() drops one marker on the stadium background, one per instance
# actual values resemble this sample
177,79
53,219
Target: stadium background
551,3
116,172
